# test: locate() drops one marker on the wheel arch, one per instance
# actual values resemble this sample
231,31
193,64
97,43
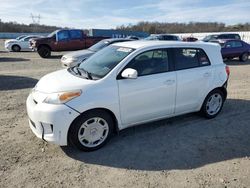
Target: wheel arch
41,45
115,121
15,45
222,89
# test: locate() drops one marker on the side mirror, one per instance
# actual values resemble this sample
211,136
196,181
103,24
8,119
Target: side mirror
228,46
130,73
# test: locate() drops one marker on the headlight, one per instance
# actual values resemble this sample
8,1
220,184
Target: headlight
62,97
69,59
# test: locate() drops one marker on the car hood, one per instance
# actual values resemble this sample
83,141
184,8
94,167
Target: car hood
11,40
79,54
60,81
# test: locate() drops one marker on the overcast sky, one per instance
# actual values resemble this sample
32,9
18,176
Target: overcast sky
111,13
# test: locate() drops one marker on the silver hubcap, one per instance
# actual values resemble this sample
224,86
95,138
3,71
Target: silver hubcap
214,104
93,132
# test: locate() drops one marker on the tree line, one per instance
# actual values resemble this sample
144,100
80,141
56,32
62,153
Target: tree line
191,27
24,28
149,27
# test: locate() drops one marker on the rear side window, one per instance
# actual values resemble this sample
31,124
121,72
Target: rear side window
186,58
150,62
75,34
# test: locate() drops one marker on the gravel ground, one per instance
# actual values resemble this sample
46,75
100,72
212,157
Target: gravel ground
186,151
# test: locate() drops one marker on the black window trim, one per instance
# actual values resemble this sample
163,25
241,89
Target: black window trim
174,59
170,61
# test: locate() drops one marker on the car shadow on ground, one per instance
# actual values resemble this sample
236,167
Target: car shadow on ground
236,62
9,82
183,142
55,57
12,59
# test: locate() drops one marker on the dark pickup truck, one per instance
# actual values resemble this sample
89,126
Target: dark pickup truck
63,40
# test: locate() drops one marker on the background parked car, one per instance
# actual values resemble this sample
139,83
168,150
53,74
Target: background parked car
63,40
209,38
21,43
75,58
189,39
163,37
234,48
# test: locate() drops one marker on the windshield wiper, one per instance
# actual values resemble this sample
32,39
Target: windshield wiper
88,74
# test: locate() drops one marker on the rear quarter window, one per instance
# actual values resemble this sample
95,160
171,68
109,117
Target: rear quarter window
186,58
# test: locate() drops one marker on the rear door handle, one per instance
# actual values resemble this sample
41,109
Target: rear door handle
169,82
207,74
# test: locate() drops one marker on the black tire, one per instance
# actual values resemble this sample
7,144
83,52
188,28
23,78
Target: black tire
244,57
44,51
76,129
16,48
205,109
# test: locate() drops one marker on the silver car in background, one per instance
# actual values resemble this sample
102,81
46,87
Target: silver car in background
75,58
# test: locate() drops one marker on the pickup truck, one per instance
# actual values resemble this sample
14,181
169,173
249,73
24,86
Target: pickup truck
63,40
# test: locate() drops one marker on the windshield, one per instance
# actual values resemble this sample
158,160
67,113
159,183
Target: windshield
98,46
209,37
102,62
20,37
152,37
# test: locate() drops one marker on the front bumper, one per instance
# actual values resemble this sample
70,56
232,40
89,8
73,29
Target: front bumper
8,47
50,122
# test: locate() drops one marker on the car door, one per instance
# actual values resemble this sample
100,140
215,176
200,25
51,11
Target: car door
24,43
152,94
194,77
62,41
238,48
76,39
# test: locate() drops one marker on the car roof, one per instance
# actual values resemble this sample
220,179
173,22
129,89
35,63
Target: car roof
163,35
144,44
118,39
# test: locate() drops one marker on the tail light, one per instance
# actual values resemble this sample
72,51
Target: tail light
227,70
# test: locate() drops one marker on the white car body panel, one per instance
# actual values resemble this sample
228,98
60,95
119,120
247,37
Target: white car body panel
132,101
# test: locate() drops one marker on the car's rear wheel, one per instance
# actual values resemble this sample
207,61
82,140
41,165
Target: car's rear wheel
213,104
44,51
244,57
91,130
16,48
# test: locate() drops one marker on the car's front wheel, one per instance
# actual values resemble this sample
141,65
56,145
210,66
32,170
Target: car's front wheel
244,57
44,51
91,130
213,104
16,48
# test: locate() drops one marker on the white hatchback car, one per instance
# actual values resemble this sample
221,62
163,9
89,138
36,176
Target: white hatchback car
126,84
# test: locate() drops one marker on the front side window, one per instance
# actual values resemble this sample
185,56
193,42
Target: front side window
63,35
27,38
186,58
150,62
237,44
233,44
102,62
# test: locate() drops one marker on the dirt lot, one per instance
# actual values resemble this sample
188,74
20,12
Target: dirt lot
186,151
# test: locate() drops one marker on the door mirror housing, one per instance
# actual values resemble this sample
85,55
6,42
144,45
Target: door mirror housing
130,73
